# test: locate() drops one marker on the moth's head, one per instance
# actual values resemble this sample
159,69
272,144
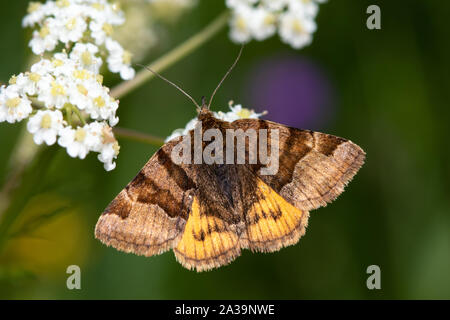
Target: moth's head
203,111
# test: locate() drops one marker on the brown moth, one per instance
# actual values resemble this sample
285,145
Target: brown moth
208,213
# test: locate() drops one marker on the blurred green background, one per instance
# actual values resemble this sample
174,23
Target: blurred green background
387,90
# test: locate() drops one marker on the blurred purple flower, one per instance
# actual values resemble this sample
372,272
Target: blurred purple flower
294,90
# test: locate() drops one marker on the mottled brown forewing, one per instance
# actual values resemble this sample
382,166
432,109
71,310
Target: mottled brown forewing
314,167
208,213
148,216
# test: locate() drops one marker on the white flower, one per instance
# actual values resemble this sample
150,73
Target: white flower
107,155
100,31
45,125
72,21
102,10
53,92
96,131
81,87
240,24
296,29
62,81
13,107
78,95
103,106
85,54
119,60
108,147
307,7
28,83
45,39
69,19
71,28
236,113
70,80
263,24
78,142
42,67
182,131
96,137
62,65
175,134
191,124
36,12
261,19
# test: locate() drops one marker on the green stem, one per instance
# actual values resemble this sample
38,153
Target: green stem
138,136
78,113
68,110
173,56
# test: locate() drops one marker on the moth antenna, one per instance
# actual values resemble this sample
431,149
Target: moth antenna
225,76
171,83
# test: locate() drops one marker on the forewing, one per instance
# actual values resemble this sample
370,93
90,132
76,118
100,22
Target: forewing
149,215
314,167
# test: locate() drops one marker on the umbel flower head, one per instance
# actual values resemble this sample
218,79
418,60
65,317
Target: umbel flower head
293,20
62,89
87,24
62,96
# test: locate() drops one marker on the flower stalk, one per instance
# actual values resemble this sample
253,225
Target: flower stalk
133,135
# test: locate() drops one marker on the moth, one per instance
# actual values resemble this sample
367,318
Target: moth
208,213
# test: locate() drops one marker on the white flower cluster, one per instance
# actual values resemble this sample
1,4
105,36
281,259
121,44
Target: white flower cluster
261,19
236,113
89,22
62,88
62,96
